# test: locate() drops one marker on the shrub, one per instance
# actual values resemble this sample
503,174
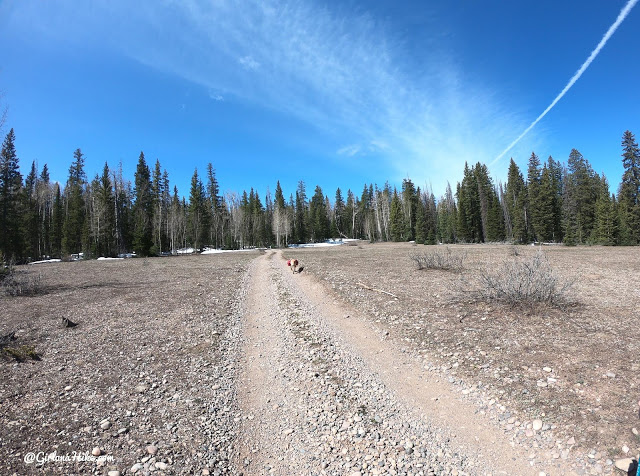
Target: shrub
523,282
14,283
439,259
22,353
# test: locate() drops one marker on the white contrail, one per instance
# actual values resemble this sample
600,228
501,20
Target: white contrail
612,29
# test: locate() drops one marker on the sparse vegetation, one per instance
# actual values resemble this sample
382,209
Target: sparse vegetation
523,282
439,259
22,353
16,283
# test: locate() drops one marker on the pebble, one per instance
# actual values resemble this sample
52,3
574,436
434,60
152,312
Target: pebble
141,388
623,464
537,425
96,451
161,466
105,424
136,467
152,449
113,473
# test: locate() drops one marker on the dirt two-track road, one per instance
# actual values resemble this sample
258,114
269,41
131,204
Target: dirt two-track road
232,364
323,391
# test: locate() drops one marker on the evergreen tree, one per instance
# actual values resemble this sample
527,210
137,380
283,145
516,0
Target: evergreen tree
280,218
74,223
546,207
337,225
629,191
106,230
582,186
143,209
447,217
607,226
396,218
57,221
11,239
533,190
45,210
198,213
30,218
215,207
409,208
301,214
516,204
318,218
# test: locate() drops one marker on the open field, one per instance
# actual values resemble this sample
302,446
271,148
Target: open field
590,395
149,354
362,364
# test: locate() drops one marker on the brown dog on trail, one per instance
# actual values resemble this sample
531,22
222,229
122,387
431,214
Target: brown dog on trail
294,264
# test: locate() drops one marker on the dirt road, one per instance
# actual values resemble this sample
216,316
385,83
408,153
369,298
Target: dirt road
323,391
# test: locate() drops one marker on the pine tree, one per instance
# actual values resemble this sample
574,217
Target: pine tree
57,221
143,209
629,191
409,208
74,224
45,209
581,192
30,218
533,191
516,204
318,218
11,239
337,225
300,231
396,218
198,213
106,232
606,231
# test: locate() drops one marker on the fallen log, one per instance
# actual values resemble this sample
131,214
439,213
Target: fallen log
377,290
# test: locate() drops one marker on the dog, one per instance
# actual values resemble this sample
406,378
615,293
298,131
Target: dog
293,263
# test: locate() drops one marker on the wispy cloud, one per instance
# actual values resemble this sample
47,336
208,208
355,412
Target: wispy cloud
349,150
249,63
340,71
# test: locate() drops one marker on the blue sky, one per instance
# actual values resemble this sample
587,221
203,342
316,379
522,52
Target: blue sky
332,93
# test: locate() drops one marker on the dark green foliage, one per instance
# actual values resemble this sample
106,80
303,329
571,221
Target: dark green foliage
318,217
629,191
11,237
582,188
143,209
74,223
300,217
516,205
198,213
396,218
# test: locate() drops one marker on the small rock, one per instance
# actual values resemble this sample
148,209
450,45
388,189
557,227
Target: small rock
136,467
113,473
571,441
67,388
151,449
537,425
161,466
141,388
96,451
105,424
625,449
634,431
624,464
546,369
287,432
611,375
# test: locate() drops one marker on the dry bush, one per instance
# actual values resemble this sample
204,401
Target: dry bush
15,283
439,259
523,282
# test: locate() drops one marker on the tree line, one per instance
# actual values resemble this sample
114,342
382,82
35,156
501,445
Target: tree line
109,215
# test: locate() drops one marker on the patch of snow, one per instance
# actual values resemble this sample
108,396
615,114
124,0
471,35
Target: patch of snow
102,258
185,251
212,251
319,245
54,260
